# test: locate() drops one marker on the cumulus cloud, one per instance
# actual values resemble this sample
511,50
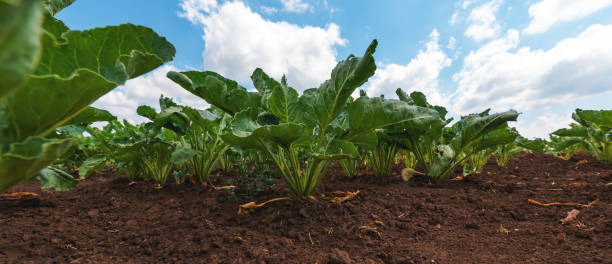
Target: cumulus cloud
237,40
268,10
420,74
295,6
194,10
483,24
548,13
146,90
499,76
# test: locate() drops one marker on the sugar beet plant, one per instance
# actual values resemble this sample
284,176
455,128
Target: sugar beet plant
592,133
303,134
439,148
49,74
198,133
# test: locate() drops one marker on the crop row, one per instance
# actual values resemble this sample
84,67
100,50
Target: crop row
51,74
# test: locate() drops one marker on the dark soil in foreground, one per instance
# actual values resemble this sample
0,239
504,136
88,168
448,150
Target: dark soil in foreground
485,218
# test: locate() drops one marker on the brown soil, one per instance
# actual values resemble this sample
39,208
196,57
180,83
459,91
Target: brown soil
485,218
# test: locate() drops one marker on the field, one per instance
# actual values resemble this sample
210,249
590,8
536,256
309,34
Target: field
271,173
486,218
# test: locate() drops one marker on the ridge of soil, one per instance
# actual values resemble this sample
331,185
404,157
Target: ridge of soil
483,219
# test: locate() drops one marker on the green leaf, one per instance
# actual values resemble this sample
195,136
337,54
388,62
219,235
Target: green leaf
283,103
74,73
47,102
573,131
419,99
217,90
442,161
368,114
90,115
245,132
147,111
24,160
54,6
322,105
19,42
599,117
117,53
500,136
56,179
563,143
263,83
90,165
473,127
71,130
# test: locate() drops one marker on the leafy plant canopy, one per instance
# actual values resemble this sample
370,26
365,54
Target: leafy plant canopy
51,74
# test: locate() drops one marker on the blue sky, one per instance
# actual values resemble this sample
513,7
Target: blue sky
543,58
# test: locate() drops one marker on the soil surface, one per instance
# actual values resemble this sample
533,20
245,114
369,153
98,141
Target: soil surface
486,218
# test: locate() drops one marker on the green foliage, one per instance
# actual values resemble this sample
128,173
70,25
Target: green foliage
198,133
50,74
288,127
592,133
439,149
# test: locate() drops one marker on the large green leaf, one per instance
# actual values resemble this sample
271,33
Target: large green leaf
368,114
574,131
599,117
322,105
473,127
500,136
24,160
283,102
263,83
90,115
117,53
47,102
245,132
217,90
73,74
19,42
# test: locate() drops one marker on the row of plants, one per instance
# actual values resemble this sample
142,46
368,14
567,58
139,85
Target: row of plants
51,75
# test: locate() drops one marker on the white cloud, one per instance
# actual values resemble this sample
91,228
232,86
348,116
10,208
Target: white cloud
295,6
452,43
237,40
146,90
268,10
467,3
483,24
194,10
420,74
544,124
454,18
548,13
499,76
